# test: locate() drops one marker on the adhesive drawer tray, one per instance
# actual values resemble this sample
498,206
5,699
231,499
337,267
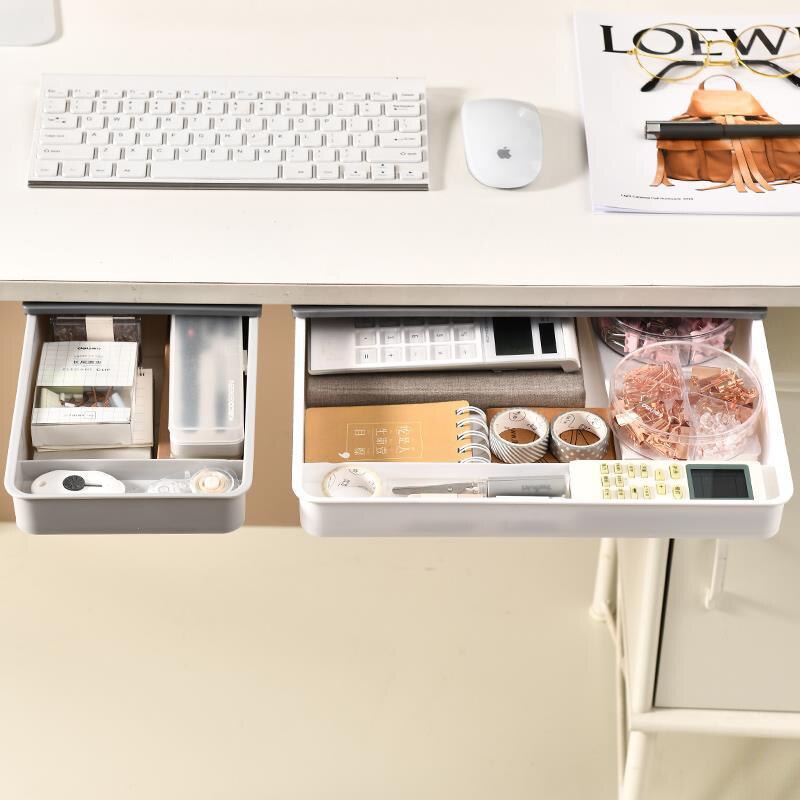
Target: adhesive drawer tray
136,511
541,516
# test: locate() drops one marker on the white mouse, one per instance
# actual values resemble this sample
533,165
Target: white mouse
502,142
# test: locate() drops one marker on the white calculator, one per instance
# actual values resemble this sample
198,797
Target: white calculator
367,344
665,481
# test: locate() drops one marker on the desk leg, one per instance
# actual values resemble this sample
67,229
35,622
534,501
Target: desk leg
635,764
603,600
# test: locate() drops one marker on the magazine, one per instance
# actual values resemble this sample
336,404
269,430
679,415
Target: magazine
716,71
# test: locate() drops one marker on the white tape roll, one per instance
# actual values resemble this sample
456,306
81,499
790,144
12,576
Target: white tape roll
514,419
351,481
579,420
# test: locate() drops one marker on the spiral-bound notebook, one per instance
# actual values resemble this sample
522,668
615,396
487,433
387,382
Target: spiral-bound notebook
448,432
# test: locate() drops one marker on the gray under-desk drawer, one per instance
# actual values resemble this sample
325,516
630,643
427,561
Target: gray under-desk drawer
136,511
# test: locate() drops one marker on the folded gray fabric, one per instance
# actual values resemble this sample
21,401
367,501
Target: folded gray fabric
548,388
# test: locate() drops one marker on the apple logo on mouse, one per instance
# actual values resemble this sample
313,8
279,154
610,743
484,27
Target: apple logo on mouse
504,152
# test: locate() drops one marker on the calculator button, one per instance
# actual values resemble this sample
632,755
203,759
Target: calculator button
677,492
634,493
440,352
364,322
661,487
647,493
392,355
618,469
464,333
660,474
390,336
631,470
644,471
414,335
604,469
364,338
620,494
440,333
417,353
606,494
366,355
620,481
466,352
674,472
606,480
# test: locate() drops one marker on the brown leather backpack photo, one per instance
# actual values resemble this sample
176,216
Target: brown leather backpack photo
756,164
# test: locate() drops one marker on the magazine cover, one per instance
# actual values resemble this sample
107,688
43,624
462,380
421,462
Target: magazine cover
698,116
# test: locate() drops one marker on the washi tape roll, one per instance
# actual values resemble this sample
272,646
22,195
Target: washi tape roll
350,481
528,439
577,446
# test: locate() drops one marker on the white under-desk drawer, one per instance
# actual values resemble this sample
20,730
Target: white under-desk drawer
136,511
540,516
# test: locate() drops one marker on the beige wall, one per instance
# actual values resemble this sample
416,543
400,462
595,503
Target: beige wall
271,501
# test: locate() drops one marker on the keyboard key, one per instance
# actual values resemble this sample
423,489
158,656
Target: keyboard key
178,138
355,95
56,93
270,154
363,140
187,107
131,170
337,139
66,152
61,137
279,124
316,109
409,125
231,139
414,335
284,139
328,172
212,107
55,106
407,96
273,94
81,106
417,354
130,106
224,123
440,352
204,138
344,109
246,94
311,139
163,153
136,153
305,124
107,106
265,108
382,96
356,172
440,333
390,336
98,138
252,124
217,154
59,121
402,109
383,125
292,108
466,352
119,122
376,155
110,153
464,333
151,138
214,170
327,95
244,154
46,169
392,355
298,94
199,123
405,140
298,172
240,107
193,153
93,122
365,338
297,154
100,170
145,122
83,93
356,124
165,94
324,155
383,172
330,124
366,355
350,155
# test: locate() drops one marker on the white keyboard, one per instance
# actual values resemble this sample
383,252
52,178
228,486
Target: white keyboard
343,133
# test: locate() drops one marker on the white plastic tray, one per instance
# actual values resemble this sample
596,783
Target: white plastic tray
535,516
129,513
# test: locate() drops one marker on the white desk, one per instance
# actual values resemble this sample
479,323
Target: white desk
460,243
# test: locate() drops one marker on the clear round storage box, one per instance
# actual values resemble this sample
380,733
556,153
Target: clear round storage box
625,335
685,401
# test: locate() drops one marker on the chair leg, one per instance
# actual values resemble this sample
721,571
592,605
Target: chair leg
635,765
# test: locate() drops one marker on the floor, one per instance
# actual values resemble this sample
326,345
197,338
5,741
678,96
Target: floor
269,664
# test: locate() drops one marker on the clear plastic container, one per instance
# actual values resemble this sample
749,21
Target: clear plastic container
669,403
206,387
625,335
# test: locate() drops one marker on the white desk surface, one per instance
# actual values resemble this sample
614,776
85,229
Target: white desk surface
459,243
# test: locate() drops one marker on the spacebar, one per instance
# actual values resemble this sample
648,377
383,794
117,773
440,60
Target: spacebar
214,170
